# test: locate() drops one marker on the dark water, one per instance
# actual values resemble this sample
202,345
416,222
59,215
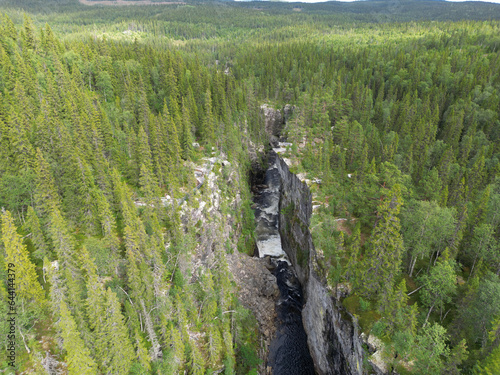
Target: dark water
289,353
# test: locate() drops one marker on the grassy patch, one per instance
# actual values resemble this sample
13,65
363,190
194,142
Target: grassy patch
359,308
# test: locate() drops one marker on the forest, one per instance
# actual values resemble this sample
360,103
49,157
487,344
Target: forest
108,113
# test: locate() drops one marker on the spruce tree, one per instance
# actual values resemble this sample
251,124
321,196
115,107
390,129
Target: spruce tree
17,260
187,137
37,236
382,261
62,240
47,197
78,358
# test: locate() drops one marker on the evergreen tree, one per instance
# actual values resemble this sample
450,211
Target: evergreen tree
46,195
63,242
37,236
17,260
383,258
187,137
78,356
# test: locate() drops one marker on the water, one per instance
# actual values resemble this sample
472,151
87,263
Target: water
267,199
288,352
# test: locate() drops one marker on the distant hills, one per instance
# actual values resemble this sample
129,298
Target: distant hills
361,10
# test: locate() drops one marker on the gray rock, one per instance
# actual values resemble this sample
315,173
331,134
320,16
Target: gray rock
273,120
333,338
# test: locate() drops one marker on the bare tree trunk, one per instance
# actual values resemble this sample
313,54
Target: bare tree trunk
444,317
24,341
437,256
412,265
472,268
414,291
428,314
155,351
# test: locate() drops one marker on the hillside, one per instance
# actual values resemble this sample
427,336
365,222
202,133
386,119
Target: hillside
137,150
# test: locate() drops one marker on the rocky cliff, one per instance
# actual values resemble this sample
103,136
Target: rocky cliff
332,333
333,338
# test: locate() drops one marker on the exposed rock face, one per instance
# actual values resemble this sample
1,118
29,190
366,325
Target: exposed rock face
257,287
258,292
333,338
273,120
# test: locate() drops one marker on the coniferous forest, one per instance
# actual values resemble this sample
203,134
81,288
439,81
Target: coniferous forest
121,254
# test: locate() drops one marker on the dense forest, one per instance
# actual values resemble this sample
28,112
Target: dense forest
106,114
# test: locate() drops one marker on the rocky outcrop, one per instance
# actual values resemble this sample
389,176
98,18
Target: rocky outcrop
273,120
333,337
332,333
257,291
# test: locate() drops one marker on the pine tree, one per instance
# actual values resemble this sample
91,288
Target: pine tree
394,308
46,195
161,157
383,258
17,259
193,110
187,137
351,270
112,345
37,236
108,226
8,27
141,352
171,132
119,350
178,346
208,125
78,358
22,152
491,365
196,361
29,38
143,151
62,241
215,345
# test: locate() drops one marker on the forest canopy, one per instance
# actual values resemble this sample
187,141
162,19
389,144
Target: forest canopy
106,113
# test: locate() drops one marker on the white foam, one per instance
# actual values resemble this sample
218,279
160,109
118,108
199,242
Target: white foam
271,246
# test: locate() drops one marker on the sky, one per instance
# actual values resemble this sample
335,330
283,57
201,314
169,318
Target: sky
321,1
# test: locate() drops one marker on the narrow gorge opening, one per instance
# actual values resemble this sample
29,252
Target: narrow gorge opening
289,352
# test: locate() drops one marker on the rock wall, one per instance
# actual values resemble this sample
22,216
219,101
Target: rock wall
333,338
273,120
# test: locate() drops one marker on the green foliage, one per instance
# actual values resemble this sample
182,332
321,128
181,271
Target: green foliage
246,241
20,268
438,286
399,120
77,355
383,258
379,328
490,365
364,305
247,342
427,228
477,316
430,348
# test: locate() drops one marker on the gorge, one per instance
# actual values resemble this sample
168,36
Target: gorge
310,319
